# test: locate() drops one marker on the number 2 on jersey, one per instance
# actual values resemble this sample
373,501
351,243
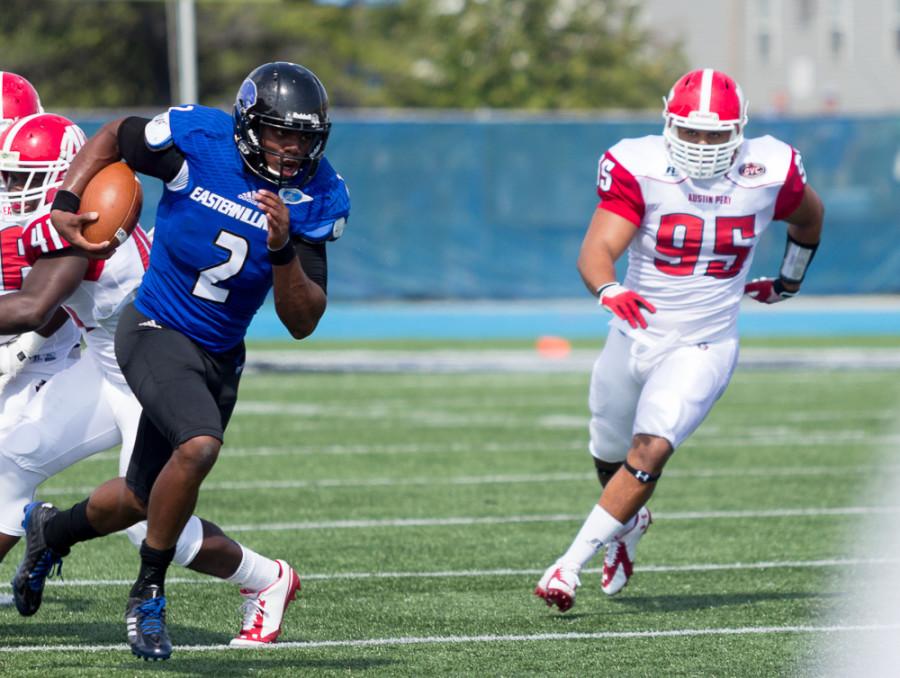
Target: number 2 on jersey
680,239
206,286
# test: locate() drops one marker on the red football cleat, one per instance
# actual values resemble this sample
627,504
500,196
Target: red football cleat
264,610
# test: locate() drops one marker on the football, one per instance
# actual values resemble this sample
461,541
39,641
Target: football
115,194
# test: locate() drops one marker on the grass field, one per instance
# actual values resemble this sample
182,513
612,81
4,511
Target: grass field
420,510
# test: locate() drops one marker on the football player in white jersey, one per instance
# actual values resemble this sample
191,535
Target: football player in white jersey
689,206
88,407
29,359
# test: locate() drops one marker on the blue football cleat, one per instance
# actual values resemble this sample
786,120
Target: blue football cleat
145,621
39,560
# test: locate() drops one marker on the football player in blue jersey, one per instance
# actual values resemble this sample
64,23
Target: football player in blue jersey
249,204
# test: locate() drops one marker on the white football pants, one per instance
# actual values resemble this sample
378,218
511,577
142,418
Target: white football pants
18,392
665,390
78,412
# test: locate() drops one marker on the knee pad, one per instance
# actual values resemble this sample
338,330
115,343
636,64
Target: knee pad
186,548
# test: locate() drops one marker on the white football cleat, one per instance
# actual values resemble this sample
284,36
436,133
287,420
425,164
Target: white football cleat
618,564
557,586
264,610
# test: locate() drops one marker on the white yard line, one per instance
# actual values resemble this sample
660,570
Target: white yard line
371,523
456,640
520,361
739,439
506,572
514,479
351,449
556,518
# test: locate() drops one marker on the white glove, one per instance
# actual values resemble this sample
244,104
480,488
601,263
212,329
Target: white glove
15,354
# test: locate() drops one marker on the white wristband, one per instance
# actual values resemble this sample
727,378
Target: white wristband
608,289
797,257
15,354
29,343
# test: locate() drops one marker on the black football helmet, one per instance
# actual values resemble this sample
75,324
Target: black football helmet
285,96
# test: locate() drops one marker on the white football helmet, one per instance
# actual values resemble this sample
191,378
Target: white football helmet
706,100
35,154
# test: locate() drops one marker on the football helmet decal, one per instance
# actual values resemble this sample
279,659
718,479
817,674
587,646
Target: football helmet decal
19,98
287,97
35,153
706,100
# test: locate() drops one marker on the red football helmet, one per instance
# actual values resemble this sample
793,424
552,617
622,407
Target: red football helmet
19,99
35,153
706,100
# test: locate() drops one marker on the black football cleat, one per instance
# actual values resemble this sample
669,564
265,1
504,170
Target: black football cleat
39,560
145,621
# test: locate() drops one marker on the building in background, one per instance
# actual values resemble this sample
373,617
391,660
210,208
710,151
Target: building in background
794,56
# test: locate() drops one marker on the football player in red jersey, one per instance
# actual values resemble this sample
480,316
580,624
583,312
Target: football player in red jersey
28,359
88,407
689,207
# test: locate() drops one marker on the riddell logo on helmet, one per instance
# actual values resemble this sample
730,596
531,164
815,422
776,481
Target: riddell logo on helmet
751,169
308,117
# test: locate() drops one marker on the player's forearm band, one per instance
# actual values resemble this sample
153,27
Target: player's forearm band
797,257
66,201
283,256
642,476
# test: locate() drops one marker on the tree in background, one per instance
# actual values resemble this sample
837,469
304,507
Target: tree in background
87,54
531,54
527,54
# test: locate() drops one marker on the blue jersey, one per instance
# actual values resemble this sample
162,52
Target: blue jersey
209,267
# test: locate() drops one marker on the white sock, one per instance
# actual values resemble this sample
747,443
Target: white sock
599,528
631,523
255,572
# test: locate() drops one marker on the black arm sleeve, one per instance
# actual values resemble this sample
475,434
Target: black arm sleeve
314,261
163,164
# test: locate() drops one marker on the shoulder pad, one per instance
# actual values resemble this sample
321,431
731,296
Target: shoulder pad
761,161
158,132
645,157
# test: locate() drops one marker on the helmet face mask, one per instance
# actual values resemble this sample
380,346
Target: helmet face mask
35,153
706,101
282,101
285,151
23,192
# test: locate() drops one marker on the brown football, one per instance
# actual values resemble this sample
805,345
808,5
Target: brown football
115,194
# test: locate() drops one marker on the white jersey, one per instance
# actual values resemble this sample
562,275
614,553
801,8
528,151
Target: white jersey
695,237
108,285
13,268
